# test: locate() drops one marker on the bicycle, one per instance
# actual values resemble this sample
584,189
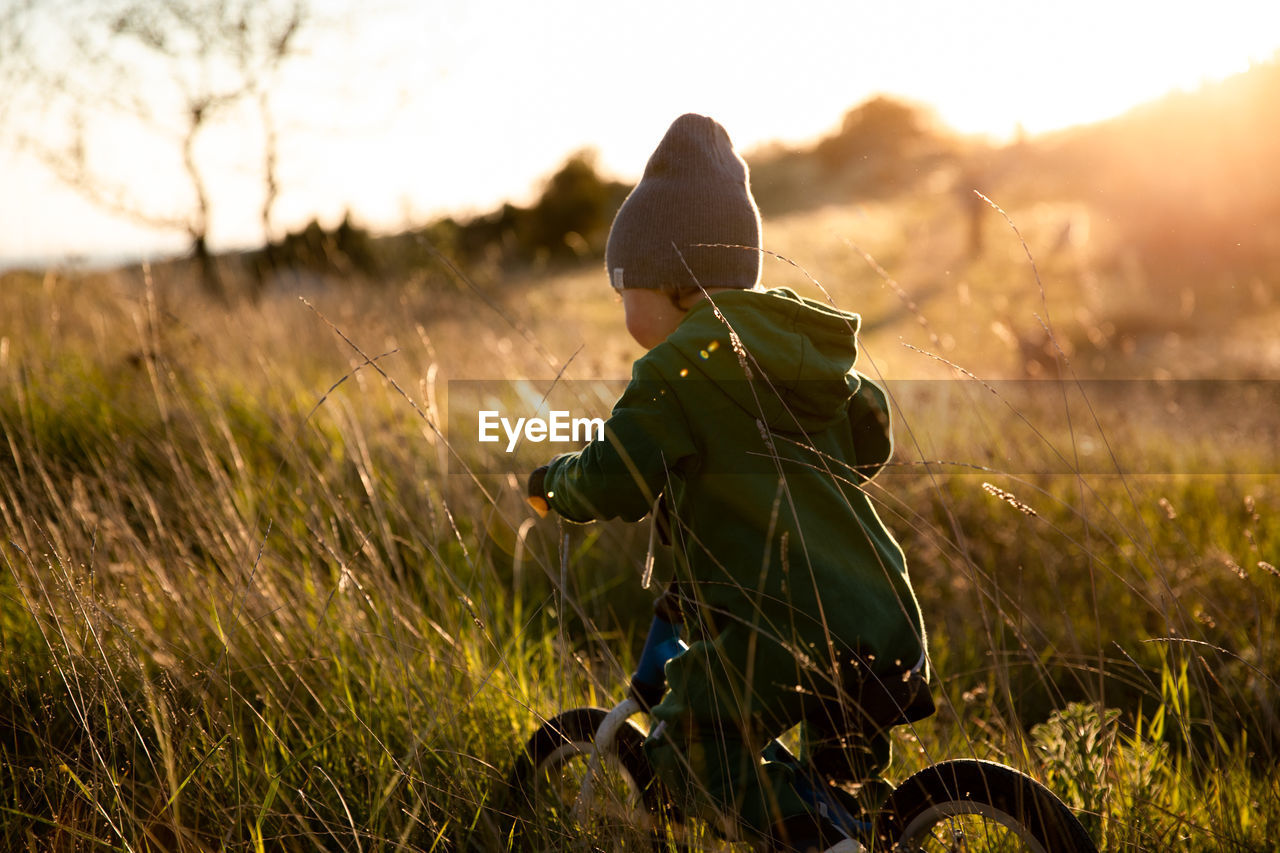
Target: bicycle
955,805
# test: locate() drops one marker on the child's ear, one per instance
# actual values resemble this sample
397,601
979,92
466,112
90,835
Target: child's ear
650,316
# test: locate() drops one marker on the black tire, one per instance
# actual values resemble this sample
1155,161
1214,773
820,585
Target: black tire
549,771
969,799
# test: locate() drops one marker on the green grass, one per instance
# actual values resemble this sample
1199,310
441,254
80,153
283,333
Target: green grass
247,602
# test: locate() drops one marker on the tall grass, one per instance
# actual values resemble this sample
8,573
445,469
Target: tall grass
250,601
232,619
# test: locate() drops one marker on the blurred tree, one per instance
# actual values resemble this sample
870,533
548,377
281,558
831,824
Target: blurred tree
86,85
570,220
574,211
881,129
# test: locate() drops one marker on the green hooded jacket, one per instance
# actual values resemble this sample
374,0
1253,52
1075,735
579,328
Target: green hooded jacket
752,424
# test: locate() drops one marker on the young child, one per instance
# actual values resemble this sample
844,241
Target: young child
747,430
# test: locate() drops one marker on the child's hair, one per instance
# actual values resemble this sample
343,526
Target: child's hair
691,222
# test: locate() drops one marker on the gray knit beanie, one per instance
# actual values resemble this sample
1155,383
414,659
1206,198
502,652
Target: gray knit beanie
694,191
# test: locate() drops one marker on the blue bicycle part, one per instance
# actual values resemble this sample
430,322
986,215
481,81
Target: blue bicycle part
663,642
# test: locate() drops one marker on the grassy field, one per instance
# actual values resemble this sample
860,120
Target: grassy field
250,598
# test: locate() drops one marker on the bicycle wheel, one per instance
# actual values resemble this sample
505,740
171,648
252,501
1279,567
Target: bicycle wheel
549,775
977,806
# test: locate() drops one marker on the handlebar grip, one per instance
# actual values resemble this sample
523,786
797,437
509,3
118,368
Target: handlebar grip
536,491
539,504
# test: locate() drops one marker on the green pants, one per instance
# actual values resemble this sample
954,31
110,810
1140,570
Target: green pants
726,700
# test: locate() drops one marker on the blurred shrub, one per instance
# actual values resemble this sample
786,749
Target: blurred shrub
345,251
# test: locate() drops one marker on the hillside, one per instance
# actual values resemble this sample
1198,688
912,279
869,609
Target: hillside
1192,179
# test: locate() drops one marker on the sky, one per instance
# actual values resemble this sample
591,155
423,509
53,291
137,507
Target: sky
401,111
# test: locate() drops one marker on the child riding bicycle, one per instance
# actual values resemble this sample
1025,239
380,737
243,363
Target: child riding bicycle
748,433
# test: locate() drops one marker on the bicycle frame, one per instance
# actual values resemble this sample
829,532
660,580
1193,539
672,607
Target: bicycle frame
602,745
936,803
662,643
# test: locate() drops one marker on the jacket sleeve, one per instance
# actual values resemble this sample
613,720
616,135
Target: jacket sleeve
869,421
621,475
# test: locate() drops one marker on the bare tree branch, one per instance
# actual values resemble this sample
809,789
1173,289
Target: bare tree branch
171,69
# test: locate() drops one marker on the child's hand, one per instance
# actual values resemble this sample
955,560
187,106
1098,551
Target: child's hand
537,492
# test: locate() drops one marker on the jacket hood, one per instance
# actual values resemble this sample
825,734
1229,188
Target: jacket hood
785,359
